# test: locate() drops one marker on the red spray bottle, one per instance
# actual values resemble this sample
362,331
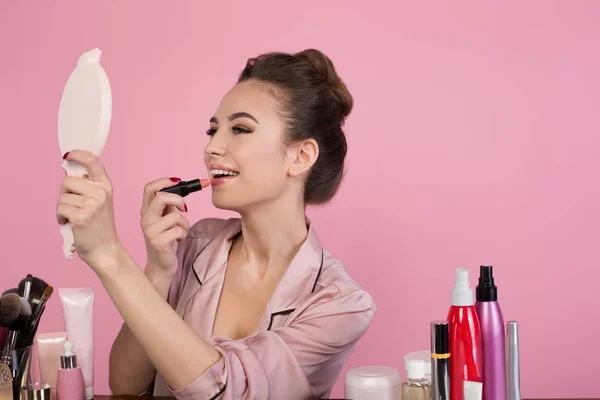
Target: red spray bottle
466,350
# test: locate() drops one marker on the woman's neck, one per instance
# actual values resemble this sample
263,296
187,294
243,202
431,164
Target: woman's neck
272,236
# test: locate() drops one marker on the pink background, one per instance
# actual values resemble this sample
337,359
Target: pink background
474,141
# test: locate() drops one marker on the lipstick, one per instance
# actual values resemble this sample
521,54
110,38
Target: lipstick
184,188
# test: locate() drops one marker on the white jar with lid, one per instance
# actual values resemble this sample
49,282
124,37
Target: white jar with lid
373,383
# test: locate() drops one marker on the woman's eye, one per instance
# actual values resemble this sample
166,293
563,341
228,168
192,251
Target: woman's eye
238,129
211,132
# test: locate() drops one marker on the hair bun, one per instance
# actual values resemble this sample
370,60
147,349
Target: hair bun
324,68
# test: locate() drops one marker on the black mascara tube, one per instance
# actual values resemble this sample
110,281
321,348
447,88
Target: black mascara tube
440,360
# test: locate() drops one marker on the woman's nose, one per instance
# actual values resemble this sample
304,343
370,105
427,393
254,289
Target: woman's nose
216,146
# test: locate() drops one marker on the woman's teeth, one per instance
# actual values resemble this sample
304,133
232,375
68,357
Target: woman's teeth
217,173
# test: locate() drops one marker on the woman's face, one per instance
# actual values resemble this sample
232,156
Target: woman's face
245,157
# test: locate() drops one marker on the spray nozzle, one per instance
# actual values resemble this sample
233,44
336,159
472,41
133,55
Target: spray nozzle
486,289
485,273
462,279
462,295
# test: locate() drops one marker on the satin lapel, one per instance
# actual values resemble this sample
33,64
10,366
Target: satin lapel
192,281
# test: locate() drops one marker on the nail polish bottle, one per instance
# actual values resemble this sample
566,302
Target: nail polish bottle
69,381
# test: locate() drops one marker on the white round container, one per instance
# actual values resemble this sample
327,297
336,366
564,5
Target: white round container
373,383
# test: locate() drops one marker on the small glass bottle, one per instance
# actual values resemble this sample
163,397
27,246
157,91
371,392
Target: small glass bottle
416,387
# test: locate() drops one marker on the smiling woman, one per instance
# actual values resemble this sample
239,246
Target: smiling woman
249,307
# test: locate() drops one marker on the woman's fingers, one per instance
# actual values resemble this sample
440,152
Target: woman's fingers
169,209
166,223
152,188
164,241
92,164
66,213
160,201
175,233
71,200
80,186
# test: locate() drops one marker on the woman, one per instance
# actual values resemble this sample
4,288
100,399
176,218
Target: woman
249,307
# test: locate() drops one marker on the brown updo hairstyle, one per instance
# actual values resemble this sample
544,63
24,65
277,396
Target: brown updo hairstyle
314,103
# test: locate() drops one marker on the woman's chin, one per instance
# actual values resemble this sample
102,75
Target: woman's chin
223,203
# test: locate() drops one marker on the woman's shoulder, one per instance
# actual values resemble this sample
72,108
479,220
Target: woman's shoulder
334,274
333,287
337,310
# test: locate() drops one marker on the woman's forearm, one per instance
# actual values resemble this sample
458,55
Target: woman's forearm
176,351
130,370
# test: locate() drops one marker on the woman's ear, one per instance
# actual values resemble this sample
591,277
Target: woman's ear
302,156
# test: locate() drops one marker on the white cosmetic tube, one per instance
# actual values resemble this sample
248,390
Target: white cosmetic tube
78,313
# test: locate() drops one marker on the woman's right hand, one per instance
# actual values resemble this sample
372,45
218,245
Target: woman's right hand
164,226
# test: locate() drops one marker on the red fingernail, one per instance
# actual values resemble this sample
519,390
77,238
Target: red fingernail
173,179
185,207
66,155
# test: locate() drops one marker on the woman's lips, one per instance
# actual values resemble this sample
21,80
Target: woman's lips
222,180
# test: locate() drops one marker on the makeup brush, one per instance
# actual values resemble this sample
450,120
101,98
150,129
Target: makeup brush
37,289
10,308
29,331
27,288
12,290
3,335
13,306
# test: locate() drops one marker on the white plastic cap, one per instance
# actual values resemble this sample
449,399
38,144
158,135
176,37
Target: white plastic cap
462,294
416,369
424,355
67,348
89,393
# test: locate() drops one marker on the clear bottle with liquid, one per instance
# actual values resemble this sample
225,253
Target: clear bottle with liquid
416,387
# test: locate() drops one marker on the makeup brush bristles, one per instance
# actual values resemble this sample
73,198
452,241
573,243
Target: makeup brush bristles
21,309
10,309
47,293
24,315
14,306
12,290
37,289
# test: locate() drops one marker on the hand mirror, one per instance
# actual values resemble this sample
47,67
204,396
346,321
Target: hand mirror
84,117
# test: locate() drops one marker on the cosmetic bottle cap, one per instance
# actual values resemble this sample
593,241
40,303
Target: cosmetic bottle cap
68,360
440,343
416,369
462,294
486,289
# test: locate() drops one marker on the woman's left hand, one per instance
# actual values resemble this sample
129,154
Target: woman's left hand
87,203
